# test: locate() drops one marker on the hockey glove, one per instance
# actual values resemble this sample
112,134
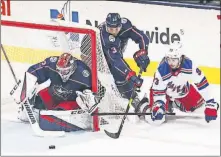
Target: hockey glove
142,59
158,111
86,100
211,110
131,76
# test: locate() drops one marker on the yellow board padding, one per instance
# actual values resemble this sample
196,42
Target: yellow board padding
27,55
212,74
32,56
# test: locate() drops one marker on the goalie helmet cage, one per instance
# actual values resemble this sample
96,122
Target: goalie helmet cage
32,42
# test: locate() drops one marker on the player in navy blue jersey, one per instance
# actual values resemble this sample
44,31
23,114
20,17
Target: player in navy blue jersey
57,83
115,33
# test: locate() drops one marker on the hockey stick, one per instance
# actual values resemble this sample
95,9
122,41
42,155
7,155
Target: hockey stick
9,64
25,102
114,113
117,134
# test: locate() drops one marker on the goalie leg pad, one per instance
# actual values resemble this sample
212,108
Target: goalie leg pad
22,115
52,123
67,105
68,121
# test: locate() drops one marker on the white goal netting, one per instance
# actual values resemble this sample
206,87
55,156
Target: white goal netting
27,43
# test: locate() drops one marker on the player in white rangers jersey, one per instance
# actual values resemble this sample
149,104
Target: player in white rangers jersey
172,84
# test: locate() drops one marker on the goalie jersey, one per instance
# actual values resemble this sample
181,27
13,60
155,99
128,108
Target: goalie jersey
176,84
62,91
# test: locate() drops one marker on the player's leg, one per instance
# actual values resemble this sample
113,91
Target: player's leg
46,99
67,121
126,89
38,102
22,115
71,119
192,101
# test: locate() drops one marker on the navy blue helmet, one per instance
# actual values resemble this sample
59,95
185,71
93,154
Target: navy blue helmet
113,20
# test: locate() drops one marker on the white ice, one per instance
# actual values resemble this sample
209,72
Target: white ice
184,134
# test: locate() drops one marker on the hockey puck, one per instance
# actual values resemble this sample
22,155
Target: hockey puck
52,147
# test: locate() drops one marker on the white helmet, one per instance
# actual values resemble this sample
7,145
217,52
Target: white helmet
175,50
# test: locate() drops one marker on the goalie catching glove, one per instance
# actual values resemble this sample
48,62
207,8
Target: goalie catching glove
87,101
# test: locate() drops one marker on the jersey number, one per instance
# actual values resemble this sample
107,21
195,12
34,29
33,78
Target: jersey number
198,71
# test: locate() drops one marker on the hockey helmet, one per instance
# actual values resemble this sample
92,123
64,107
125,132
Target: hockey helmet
113,20
175,51
113,23
66,66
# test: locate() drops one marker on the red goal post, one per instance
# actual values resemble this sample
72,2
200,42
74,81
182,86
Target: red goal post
55,37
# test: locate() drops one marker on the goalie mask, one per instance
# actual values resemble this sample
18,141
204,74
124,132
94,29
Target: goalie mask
174,55
66,66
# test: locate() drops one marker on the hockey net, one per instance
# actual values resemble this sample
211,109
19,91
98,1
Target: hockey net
29,43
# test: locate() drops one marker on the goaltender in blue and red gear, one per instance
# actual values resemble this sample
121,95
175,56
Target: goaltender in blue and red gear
63,83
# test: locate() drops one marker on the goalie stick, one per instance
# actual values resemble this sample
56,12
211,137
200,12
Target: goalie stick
115,113
117,134
26,104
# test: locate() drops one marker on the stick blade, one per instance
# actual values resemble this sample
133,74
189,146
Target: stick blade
112,135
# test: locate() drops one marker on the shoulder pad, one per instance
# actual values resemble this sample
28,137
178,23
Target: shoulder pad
53,59
187,63
164,70
124,20
83,68
126,23
100,26
50,60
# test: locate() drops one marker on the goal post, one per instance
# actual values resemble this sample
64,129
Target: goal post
27,43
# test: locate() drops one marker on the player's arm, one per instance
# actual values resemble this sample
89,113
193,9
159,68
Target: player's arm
158,89
158,94
115,59
34,78
86,98
139,37
40,70
200,80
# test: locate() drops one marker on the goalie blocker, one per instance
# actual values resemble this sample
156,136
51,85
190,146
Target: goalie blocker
60,103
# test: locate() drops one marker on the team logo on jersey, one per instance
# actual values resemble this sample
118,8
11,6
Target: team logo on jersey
62,92
43,63
53,59
123,20
85,73
111,38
